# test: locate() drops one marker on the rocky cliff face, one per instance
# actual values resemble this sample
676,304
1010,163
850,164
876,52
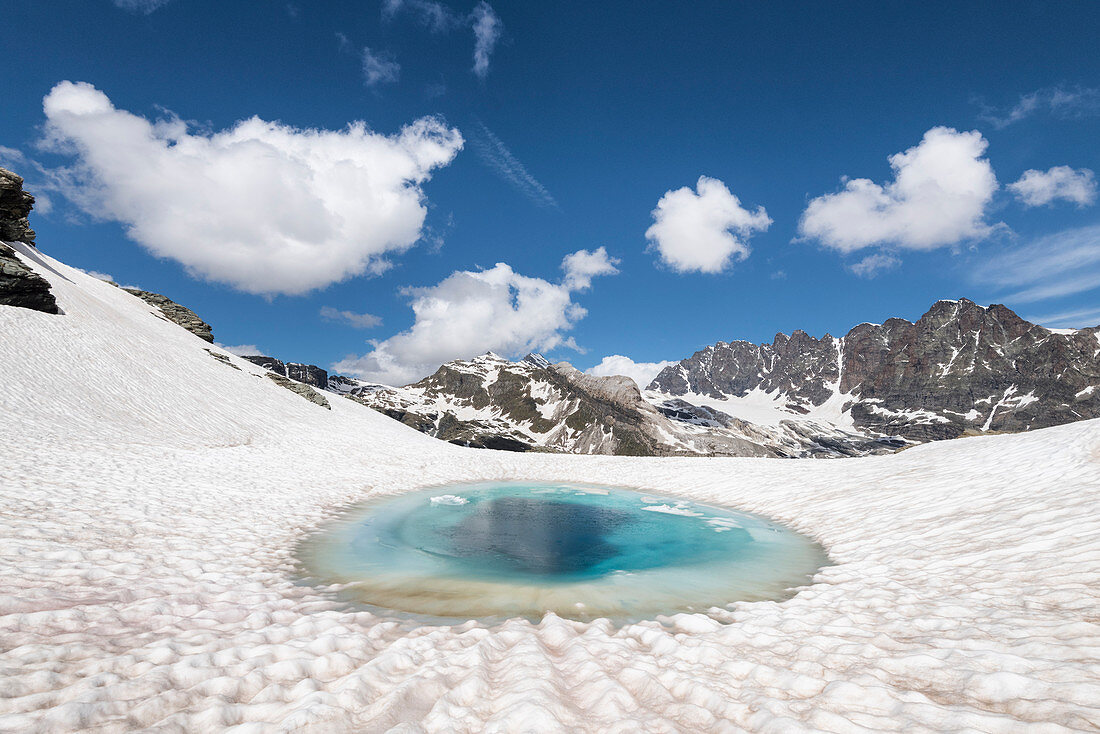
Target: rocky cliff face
800,367
19,285
306,373
15,206
22,287
176,313
961,368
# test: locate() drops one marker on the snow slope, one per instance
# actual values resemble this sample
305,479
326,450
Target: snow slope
151,498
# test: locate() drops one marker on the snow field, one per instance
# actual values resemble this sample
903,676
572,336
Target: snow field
151,499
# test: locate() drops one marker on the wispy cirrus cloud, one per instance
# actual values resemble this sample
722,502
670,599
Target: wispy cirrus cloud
350,318
438,18
1074,319
1059,101
487,30
379,68
1055,266
495,154
141,6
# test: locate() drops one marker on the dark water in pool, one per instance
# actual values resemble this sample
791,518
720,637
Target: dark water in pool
502,549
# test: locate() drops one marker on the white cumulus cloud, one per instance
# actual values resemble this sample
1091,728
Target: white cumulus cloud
263,206
583,265
473,312
1039,188
641,372
705,229
938,197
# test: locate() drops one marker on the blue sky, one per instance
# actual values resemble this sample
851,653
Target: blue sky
552,129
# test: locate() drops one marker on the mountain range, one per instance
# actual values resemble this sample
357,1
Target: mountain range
960,369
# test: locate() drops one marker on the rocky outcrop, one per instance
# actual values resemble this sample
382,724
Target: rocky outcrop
176,313
15,206
299,388
960,369
20,286
307,373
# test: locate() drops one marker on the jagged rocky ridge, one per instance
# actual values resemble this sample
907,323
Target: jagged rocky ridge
19,285
960,369
490,402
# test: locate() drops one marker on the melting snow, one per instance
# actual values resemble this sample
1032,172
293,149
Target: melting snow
151,499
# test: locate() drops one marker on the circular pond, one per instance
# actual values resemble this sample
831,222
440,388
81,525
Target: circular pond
496,550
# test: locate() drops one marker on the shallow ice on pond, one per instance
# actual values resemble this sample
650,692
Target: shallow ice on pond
521,549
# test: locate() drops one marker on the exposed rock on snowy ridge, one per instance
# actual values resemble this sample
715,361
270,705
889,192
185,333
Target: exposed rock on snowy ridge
961,368
310,374
176,313
299,388
19,284
490,402
15,206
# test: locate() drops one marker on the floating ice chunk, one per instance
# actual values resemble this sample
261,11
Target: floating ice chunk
721,524
449,499
670,510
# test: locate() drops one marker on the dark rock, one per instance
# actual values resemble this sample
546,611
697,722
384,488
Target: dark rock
299,388
223,359
176,313
15,206
20,286
307,373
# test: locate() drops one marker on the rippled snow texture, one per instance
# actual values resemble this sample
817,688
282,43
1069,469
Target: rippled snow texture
151,498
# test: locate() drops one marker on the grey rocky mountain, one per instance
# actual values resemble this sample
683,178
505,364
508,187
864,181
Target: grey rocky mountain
532,405
959,369
176,313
